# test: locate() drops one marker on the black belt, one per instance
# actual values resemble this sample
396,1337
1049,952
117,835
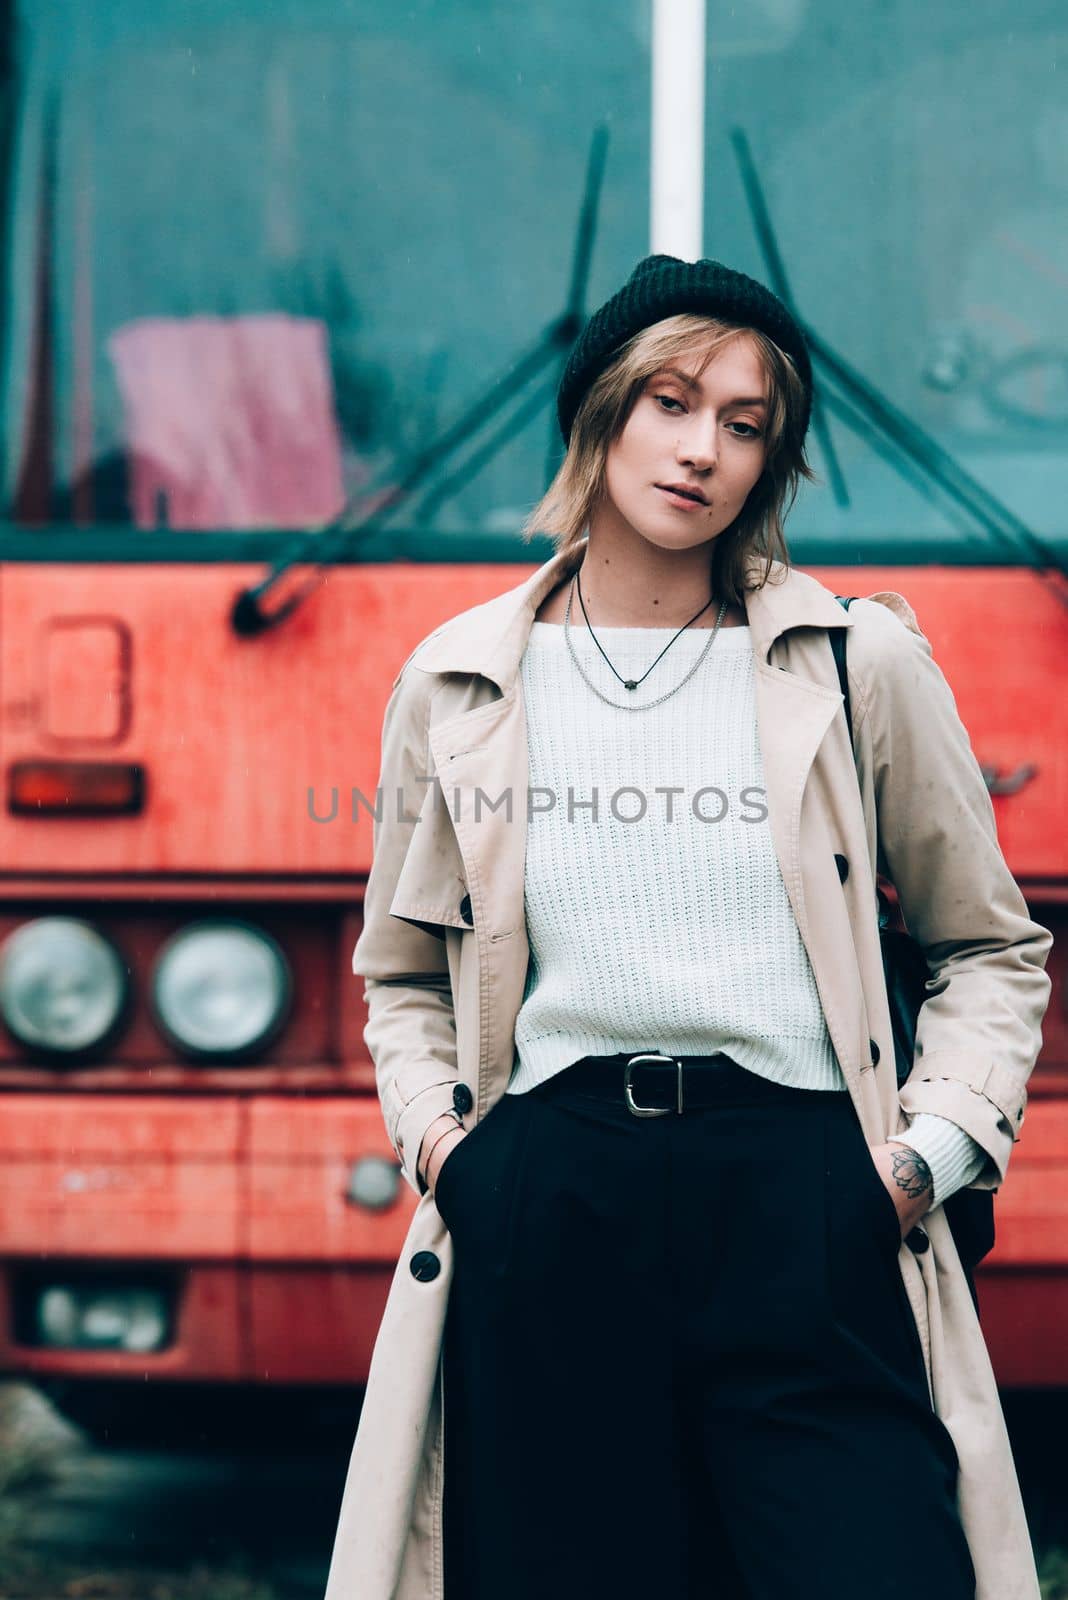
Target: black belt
654,1085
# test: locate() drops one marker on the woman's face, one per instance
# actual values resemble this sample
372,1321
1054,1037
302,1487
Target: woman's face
704,433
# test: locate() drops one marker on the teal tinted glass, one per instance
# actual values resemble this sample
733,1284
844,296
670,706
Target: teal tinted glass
915,163
292,239
260,254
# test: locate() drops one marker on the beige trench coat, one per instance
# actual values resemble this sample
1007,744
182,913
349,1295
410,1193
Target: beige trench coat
444,957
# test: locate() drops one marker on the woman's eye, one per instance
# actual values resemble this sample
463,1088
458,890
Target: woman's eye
666,400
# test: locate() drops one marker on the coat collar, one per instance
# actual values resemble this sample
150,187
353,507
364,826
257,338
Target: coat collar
489,639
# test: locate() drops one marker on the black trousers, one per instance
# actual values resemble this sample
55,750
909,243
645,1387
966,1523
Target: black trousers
679,1359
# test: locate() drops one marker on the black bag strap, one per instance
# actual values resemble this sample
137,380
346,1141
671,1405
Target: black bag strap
838,646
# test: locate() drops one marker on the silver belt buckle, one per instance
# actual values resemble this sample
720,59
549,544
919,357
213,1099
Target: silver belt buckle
651,1111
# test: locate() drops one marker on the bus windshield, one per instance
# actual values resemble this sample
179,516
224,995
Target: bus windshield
257,255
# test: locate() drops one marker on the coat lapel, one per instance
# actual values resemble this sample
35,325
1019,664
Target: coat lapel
480,752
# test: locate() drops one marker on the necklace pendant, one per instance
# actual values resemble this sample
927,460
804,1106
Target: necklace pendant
630,684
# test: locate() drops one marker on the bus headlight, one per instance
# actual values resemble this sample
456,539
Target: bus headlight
221,989
85,1317
63,985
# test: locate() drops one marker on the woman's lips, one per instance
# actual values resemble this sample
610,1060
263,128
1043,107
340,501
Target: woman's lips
680,501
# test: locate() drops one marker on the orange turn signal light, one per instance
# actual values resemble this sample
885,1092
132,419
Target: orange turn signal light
75,788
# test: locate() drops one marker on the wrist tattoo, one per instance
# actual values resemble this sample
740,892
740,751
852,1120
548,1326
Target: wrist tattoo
911,1172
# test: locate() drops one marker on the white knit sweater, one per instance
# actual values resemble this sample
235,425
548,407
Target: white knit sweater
656,911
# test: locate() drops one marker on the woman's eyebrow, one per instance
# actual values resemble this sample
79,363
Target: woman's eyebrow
689,382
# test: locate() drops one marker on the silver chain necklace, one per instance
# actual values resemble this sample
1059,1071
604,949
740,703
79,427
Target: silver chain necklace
632,683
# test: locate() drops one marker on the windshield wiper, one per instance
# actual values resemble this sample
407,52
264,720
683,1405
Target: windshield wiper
780,284
903,441
316,547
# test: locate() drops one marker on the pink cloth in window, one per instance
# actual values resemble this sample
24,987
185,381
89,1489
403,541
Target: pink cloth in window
231,419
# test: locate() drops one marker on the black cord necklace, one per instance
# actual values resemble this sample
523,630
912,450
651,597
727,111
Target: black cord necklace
633,683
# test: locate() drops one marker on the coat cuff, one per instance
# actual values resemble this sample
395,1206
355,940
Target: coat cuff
986,1102
412,1124
1002,1087
952,1155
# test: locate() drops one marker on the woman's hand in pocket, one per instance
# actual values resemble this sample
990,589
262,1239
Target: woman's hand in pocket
443,1135
908,1181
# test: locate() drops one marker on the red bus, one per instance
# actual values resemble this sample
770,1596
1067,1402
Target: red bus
252,267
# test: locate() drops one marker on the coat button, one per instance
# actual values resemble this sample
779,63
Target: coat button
425,1266
917,1241
843,868
462,1099
465,911
874,1048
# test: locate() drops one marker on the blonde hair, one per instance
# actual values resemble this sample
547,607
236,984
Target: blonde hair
757,531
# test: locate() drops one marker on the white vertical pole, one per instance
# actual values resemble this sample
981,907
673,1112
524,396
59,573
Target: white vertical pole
677,177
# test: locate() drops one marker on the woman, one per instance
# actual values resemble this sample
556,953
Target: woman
669,1319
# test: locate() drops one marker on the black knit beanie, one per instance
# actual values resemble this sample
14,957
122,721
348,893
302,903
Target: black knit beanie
664,286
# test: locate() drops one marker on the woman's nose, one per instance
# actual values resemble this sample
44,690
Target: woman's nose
697,447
